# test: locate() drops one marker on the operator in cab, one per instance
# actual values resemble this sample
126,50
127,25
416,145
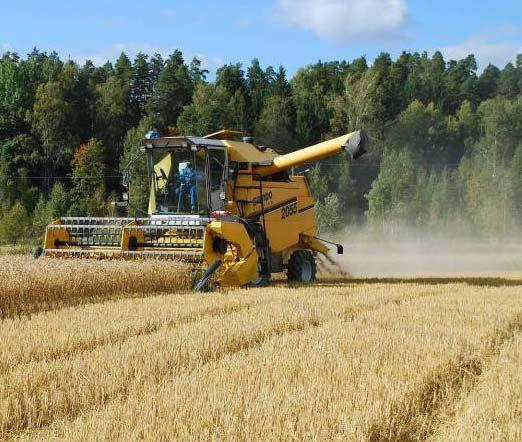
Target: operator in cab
152,134
187,180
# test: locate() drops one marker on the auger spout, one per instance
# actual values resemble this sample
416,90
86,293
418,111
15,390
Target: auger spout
355,143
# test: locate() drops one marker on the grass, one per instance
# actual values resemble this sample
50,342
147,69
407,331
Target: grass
343,360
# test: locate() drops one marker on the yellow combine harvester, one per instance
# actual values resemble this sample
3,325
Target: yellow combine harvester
230,204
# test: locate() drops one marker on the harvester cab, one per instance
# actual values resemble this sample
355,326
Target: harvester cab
218,201
187,175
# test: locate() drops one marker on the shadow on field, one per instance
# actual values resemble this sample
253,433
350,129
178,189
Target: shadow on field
472,281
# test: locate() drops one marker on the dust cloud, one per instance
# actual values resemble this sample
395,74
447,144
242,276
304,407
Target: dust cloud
413,255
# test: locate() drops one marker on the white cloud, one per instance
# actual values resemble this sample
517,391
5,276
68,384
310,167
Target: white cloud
498,47
345,20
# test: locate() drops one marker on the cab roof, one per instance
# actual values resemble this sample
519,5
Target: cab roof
237,150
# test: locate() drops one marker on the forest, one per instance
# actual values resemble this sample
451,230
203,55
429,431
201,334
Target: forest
446,149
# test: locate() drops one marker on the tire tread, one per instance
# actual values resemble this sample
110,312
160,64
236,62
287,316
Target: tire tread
295,265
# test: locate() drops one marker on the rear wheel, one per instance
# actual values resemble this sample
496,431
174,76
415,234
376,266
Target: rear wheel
301,266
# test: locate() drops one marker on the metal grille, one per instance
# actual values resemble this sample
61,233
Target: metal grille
179,237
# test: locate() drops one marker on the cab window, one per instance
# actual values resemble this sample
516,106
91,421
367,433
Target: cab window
217,165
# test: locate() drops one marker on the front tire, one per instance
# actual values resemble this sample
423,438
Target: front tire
301,267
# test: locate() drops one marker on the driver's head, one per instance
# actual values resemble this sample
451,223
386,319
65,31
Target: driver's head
189,165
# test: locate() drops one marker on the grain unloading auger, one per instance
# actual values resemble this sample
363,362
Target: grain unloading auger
229,204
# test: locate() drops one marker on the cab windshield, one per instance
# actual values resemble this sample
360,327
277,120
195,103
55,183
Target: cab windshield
179,183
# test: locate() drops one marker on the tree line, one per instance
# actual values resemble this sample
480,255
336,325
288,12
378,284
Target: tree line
445,139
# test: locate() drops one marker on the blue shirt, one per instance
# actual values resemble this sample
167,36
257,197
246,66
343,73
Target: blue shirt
188,176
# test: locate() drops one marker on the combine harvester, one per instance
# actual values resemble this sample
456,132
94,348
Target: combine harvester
220,201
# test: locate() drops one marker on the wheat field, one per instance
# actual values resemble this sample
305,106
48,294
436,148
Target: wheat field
30,285
111,356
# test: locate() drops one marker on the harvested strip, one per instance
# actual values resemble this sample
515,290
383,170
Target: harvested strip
493,409
420,416
329,382
64,332
61,333
42,392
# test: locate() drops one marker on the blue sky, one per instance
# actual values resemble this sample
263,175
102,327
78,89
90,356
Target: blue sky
288,32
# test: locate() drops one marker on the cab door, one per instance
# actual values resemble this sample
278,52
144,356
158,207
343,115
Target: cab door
217,166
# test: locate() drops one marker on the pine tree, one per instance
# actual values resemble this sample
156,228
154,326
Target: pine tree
231,78
391,193
51,119
208,112
59,202
41,218
276,122
509,82
436,79
14,101
487,83
112,118
197,74
278,83
156,65
257,85
123,69
173,91
140,87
